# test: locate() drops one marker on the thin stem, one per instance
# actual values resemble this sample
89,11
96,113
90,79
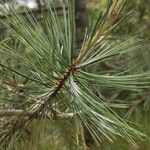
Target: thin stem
15,112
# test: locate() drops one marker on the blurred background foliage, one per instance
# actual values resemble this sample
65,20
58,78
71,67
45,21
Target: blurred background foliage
137,23
134,107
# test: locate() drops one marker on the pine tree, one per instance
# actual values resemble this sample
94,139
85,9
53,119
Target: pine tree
46,89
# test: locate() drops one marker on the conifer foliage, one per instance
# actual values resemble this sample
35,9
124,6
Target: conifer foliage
42,80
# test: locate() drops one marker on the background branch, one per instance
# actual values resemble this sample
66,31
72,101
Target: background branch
15,112
38,11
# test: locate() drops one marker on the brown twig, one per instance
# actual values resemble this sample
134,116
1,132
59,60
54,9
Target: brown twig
15,112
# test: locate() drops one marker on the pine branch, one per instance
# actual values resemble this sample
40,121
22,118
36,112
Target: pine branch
54,65
14,112
17,112
18,123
